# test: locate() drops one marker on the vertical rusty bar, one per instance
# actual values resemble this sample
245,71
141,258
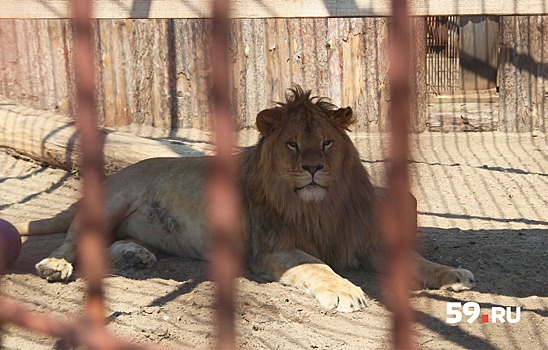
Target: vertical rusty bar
396,214
92,235
223,199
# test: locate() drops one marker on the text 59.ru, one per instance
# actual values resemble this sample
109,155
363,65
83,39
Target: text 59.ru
471,310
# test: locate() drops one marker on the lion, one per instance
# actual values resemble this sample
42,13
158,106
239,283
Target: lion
309,208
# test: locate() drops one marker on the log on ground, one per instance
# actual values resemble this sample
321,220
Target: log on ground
51,138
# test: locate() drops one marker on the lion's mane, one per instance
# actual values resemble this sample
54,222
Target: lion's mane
340,229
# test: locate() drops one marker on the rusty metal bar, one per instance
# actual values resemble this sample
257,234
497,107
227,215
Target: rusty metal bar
73,333
222,195
93,230
89,330
396,214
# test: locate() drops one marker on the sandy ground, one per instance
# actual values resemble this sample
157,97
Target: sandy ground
483,205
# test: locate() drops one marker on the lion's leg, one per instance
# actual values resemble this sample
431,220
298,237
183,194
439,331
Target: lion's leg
428,273
58,265
131,253
298,269
437,276
433,275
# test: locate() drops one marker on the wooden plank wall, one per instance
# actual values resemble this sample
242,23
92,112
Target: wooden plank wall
155,72
34,68
524,73
109,9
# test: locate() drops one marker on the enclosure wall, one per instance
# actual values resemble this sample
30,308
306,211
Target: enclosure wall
154,72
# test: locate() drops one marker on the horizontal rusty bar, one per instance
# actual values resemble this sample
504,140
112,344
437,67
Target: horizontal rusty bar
73,333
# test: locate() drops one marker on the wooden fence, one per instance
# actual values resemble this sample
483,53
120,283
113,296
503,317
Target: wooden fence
153,72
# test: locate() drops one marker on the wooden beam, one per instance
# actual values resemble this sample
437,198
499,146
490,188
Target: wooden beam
53,139
270,8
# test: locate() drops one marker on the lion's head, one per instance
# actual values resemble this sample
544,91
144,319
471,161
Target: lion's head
307,177
307,141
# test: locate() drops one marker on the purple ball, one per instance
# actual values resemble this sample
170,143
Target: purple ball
10,244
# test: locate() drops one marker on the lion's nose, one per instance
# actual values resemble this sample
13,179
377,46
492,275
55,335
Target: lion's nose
312,168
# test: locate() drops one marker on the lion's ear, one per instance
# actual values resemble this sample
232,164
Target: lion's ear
343,118
268,120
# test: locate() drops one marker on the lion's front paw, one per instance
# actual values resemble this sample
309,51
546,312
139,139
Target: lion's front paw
125,255
54,269
341,295
456,279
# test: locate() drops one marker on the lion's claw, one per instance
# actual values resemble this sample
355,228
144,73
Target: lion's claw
458,280
342,296
126,255
54,269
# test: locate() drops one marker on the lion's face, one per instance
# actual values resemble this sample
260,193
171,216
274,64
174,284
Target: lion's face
307,156
307,144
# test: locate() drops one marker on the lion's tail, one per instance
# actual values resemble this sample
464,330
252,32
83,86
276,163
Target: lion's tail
57,224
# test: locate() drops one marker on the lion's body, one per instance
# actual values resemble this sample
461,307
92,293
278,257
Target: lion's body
160,201
307,203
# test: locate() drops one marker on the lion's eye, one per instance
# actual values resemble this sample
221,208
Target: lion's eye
292,145
327,144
